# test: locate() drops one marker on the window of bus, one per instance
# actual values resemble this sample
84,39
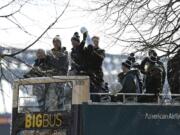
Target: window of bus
45,97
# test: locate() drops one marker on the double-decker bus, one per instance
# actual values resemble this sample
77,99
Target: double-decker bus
62,106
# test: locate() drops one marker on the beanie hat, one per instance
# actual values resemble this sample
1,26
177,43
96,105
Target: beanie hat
131,58
57,37
153,57
76,37
127,64
152,52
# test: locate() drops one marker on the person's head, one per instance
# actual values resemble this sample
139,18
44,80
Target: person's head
152,53
57,42
132,58
95,40
75,40
40,54
153,58
126,66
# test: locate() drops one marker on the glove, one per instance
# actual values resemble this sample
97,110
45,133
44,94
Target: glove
85,36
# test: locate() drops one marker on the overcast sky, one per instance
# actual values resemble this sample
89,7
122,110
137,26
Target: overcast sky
36,16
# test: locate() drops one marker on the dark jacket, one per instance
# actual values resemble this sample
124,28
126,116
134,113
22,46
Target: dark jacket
154,79
45,64
94,60
78,59
95,57
154,75
173,74
42,67
61,61
128,83
120,77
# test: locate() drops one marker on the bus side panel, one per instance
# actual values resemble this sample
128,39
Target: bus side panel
15,122
131,120
77,120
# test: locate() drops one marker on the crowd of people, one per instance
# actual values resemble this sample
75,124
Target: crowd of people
147,77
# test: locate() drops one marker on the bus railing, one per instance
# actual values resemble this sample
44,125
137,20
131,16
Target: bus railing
161,98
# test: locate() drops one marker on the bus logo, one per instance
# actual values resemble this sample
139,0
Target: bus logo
43,120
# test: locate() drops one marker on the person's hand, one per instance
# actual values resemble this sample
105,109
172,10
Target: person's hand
85,36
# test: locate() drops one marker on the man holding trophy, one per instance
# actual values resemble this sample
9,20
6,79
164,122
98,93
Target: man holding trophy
88,61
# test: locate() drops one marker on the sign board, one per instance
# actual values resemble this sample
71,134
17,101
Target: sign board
131,120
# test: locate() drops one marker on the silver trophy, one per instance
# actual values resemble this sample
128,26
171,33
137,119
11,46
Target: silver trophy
88,39
83,30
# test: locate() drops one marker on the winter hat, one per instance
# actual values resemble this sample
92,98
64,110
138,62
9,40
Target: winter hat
153,57
57,37
152,52
127,64
131,58
76,37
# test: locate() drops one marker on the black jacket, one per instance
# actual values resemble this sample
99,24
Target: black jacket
154,79
94,60
45,64
155,75
42,67
61,61
78,58
95,57
173,74
128,83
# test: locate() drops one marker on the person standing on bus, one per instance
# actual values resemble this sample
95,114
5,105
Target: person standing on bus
77,54
128,84
60,56
134,71
95,57
43,65
153,73
151,54
173,73
127,80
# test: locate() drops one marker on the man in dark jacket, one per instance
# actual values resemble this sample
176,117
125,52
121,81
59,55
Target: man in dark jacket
77,54
173,73
95,56
146,60
127,80
43,66
128,84
60,56
153,72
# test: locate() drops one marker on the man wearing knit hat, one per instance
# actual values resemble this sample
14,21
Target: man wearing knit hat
60,56
153,72
128,84
77,54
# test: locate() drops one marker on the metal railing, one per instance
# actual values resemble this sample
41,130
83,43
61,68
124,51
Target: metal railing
161,98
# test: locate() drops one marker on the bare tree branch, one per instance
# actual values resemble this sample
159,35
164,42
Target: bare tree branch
44,32
156,23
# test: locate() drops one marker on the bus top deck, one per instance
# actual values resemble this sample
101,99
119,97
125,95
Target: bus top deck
61,105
